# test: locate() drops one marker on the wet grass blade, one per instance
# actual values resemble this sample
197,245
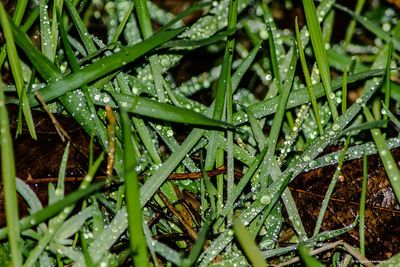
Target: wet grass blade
248,245
308,79
318,45
150,108
16,70
8,178
134,210
53,209
299,97
331,187
80,27
388,161
391,116
91,72
372,27
47,46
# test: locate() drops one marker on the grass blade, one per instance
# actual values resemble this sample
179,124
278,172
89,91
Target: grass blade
248,245
91,72
8,177
362,205
150,108
134,210
308,79
320,54
389,163
16,72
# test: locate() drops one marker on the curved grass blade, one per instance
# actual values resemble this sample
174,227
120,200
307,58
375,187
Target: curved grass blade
391,116
299,97
196,43
91,72
55,208
193,8
16,70
56,223
153,183
372,27
8,178
163,111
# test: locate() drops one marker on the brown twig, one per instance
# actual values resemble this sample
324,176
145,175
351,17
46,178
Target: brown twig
60,130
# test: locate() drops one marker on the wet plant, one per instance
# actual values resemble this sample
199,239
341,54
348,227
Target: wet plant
197,164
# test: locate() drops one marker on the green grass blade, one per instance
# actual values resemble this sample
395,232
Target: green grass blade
16,70
320,53
372,27
362,205
274,60
388,87
391,116
134,210
142,12
222,86
389,163
279,115
331,187
102,67
8,177
307,259
352,25
122,25
150,108
248,245
55,208
192,9
308,79
299,97
47,46
83,33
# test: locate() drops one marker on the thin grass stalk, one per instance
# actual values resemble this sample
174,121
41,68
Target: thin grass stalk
362,205
344,91
388,84
331,187
9,183
352,25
